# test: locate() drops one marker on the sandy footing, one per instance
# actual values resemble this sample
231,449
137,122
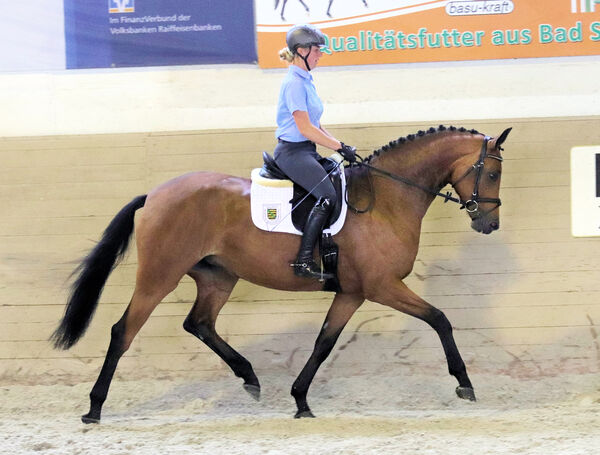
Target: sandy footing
363,414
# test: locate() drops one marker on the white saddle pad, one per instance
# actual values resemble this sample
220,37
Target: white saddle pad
271,207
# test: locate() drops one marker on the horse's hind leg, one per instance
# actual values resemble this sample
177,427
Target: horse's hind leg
122,334
342,309
214,287
100,390
403,299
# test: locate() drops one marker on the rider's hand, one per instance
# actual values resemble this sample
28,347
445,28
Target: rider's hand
348,152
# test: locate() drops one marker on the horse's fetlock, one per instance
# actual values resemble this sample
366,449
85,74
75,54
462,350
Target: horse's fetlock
96,399
296,392
459,372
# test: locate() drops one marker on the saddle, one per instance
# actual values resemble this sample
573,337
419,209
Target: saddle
273,195
301,200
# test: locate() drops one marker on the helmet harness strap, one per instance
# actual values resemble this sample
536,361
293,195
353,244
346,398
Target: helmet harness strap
305,58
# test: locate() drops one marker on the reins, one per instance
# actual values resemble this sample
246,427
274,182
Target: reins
471,205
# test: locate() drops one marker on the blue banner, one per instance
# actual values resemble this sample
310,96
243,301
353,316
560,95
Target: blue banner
121,33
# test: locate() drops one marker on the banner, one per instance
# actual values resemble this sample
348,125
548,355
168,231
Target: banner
395,31
118,33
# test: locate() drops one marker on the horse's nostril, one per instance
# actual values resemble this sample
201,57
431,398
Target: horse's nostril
494,225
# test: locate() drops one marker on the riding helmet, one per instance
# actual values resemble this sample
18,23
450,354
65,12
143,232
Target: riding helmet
304,36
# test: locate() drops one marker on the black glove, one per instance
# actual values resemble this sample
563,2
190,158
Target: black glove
348,152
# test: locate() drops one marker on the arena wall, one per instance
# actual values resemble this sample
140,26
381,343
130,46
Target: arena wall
244,96
523,301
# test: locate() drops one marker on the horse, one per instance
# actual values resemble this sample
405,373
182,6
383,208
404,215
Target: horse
199,224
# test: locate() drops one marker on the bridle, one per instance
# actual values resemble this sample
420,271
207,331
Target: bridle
471,205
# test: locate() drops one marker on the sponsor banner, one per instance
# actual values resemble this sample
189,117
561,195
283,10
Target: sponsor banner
116,33
395,31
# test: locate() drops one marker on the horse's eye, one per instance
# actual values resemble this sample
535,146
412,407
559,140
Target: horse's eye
494,176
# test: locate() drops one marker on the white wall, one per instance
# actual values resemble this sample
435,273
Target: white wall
244,96
32,35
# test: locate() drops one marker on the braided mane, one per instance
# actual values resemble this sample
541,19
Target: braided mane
411,137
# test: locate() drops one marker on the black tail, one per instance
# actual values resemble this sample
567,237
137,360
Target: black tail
93,273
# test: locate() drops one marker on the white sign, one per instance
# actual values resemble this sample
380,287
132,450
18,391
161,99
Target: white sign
585,191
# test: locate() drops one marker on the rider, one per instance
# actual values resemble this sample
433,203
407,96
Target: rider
298,130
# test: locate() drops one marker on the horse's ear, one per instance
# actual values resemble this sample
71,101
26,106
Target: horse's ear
500,139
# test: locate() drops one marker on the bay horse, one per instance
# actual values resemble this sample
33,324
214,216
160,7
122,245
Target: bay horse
199,224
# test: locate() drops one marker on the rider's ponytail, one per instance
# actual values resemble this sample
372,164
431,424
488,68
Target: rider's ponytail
286,55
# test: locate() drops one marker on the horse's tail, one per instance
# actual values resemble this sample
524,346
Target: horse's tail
92,275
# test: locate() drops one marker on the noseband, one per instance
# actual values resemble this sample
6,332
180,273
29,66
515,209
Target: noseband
471,205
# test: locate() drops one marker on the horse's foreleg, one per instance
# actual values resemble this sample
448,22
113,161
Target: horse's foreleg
342,309
214,287
406,301
456,366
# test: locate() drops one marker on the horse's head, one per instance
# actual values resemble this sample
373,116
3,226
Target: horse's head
479,185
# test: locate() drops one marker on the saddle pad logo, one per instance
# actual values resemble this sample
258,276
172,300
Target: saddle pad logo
271,212
121,6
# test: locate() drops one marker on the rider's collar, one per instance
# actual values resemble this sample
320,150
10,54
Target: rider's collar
301,72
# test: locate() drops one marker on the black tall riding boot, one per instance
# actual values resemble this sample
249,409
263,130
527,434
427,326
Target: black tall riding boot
305,264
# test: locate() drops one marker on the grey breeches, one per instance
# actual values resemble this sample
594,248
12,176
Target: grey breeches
299,160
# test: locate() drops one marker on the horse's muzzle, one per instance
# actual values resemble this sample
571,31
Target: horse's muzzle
485,225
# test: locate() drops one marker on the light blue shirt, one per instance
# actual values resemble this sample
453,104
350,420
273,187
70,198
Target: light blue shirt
297,93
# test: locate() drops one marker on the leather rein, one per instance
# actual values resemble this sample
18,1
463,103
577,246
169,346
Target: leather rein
471,205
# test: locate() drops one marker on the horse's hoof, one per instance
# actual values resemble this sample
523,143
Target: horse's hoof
304,414
87,419
466,393
253,390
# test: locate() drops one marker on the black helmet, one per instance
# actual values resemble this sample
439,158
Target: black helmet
304,36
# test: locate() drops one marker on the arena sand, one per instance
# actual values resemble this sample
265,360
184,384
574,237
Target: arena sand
384,413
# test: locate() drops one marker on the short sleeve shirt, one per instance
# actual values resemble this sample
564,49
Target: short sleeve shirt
297,93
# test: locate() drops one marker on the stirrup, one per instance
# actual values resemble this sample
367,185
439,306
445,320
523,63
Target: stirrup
309,269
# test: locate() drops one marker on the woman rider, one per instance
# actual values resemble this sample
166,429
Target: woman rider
298,130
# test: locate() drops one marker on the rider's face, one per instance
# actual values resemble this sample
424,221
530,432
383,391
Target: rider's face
313,57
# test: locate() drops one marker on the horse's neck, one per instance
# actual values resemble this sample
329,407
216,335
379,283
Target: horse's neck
427,162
